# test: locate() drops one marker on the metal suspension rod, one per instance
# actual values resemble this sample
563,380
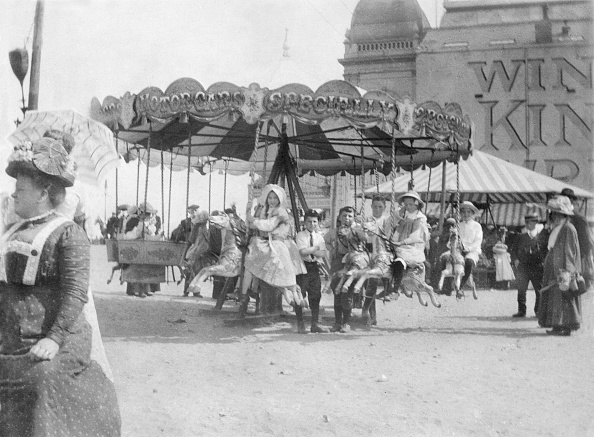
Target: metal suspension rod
458,196
162,188
266,150
355,181
116,172
138,176
429,183
209,186
362,185
169,200
253,171
393,176
225,184
148,159
411,183
189,167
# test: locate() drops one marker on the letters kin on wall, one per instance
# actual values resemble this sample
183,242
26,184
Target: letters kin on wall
544,109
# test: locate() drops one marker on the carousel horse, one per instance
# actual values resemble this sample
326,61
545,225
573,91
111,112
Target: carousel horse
114,269
232,248
454,263
413,281
379,268
357,262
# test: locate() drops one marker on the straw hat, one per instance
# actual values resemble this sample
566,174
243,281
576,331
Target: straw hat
560,204
469,205
412,195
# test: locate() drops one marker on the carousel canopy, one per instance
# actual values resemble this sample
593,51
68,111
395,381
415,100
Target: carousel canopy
483,179
327,130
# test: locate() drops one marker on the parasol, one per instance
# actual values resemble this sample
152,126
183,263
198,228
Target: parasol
94,150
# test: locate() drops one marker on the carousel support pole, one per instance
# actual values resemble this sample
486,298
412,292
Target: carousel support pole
355,182
293,182
169,199
293,178
148,160
116,188
138,177
293,203
225,184
362,185
209,185
393,211
162,187
266,149
244,300
189,166
442,200
116,171
333,199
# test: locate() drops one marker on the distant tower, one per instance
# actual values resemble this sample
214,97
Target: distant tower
380,46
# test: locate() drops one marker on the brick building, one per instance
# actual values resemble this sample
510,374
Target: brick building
522,70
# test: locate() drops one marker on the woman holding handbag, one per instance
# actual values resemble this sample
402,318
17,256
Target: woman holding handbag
560,302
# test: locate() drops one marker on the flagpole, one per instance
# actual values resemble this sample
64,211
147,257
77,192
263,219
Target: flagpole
36,57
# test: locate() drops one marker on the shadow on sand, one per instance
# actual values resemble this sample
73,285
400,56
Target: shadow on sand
167,319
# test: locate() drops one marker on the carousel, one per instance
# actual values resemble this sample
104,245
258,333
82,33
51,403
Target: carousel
279,134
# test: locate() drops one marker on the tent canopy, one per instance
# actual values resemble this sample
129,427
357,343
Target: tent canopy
484,179
333,125
499,214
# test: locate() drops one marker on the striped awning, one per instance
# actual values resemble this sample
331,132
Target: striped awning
484,179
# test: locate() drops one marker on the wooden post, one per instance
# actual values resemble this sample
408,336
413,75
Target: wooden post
36,57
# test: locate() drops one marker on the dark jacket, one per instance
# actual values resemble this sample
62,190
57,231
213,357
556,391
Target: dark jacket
530,251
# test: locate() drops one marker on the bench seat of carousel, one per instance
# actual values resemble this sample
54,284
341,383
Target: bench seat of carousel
146,260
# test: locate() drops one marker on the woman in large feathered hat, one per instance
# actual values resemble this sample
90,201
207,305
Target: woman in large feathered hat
50,376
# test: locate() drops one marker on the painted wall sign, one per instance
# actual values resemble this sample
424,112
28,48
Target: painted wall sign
531,106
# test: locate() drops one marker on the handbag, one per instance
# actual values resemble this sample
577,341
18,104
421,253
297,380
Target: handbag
571,284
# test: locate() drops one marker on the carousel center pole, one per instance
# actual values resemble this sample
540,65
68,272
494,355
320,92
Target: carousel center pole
283,167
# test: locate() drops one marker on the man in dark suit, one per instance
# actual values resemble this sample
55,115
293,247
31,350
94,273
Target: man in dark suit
528,253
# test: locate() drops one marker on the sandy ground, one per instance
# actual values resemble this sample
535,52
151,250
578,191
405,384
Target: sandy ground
467,369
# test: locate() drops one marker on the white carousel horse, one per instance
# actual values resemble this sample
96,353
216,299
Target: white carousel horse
229,264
